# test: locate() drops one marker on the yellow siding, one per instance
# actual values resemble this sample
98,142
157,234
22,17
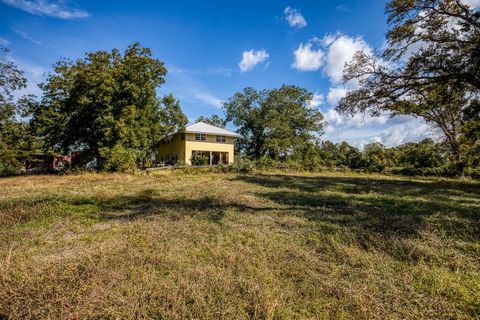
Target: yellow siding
176,145
210,138
208,146
184,148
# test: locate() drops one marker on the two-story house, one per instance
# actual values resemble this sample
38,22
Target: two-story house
217,144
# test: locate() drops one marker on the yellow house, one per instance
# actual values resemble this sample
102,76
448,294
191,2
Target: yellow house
198,139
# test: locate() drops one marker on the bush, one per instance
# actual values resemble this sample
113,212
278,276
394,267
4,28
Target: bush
243,165
312,164
266,163
180,163
199,160
443,171
292,165
6,169
473,173
119,159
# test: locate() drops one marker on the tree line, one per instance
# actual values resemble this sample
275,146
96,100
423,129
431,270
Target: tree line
106,104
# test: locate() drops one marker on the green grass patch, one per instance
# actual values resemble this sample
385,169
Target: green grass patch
275,246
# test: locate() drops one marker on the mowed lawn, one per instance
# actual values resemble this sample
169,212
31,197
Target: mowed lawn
264,246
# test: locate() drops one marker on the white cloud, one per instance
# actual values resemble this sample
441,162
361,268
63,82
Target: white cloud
341,51
27,37
308,58
4,42
335,51
332,53
251,58
317,100
362,129
403,133
34,74
359,120
294,18
472,3
335,94
210,100
56,9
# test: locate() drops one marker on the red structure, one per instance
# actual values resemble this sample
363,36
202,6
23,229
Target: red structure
41,162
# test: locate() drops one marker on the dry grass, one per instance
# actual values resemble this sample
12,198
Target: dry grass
177,246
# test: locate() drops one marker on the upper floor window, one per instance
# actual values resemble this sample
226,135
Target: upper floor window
182,136
221,139
200,136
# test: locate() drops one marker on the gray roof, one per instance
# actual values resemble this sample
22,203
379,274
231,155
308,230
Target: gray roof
202,127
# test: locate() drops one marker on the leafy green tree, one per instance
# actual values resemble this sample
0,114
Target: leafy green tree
424,154
16,140
470,138
375,157
214,120
429,69
106,103
172,117
309,155
329,153
440,39
274,122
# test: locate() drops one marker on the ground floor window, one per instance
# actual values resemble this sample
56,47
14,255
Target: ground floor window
170,158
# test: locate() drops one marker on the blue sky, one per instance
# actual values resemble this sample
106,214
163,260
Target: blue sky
213,49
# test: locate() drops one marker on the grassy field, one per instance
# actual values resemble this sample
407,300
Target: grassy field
211,246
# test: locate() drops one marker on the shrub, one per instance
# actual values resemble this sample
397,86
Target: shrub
119,159
443,171
243,165
473,173
266,163
180,163
292,165
199,160
6,169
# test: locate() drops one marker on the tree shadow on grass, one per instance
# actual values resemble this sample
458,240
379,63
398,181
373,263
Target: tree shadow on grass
376,208
150,203
373,211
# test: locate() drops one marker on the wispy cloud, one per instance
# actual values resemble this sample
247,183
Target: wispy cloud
34,74
4,42
196,98
294,18
56,9
251,58
317,100
342,8
203,72
26,36
209,99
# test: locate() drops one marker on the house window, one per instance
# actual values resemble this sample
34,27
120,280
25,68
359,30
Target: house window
200,136
182,136
221,139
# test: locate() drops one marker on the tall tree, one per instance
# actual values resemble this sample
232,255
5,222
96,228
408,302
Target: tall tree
274,122
470,138
15,138
214,120
106,100
424,154
440,39
429,68
172,117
